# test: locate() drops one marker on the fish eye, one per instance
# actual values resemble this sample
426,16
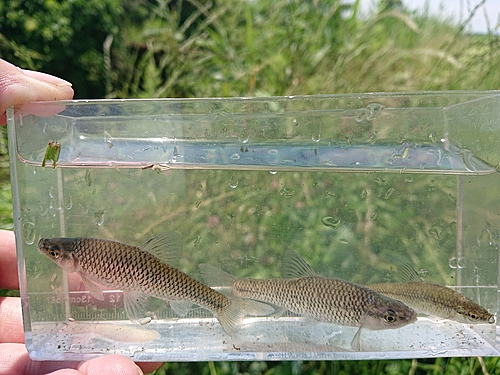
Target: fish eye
390,316
54,252
473,316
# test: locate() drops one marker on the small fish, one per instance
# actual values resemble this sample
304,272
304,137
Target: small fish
142,272
324,299
433,299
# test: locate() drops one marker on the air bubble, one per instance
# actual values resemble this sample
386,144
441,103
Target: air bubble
273,151
235,156
331,222
233,181
29,233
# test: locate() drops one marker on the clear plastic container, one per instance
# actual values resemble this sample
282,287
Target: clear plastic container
356,184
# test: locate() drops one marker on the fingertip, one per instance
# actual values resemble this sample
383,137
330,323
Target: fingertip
110,365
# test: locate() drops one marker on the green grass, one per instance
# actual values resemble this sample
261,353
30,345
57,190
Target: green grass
236,48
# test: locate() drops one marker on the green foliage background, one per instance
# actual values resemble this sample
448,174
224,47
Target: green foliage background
148,48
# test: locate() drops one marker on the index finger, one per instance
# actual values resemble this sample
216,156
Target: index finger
18,87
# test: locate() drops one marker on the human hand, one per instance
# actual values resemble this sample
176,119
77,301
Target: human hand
14,357
18,87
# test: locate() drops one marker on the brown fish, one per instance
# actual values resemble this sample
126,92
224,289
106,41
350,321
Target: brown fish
434,299
324,299
142,272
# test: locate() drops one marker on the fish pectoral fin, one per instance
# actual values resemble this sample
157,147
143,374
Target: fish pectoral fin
215,277
181,307
94,290
294,266
165,246
356,341
135,305
232,317
278,312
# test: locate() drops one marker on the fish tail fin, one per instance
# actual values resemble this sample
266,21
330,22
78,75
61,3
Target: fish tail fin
232,316
215,277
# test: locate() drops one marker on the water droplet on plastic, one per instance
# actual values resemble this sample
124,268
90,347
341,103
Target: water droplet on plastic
51,192
432,137
88,177
273,151
316,137
466,156
443,155
29,233
273,172
423,273
388,193
295,122
235,156
436,232
70,203
422,166
287,193
453,263
233,181
360,115
99,217
331,222
373,137
243,137
373,110
108,140
197,241
343,241
373,216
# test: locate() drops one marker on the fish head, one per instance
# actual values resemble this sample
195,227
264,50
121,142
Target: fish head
471,312
388,314
60,251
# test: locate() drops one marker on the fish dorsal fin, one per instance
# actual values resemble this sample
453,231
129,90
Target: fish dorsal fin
294,266
165,246
408,273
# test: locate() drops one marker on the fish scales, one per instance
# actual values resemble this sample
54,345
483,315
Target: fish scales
143,272
325,299
123,266
437,300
